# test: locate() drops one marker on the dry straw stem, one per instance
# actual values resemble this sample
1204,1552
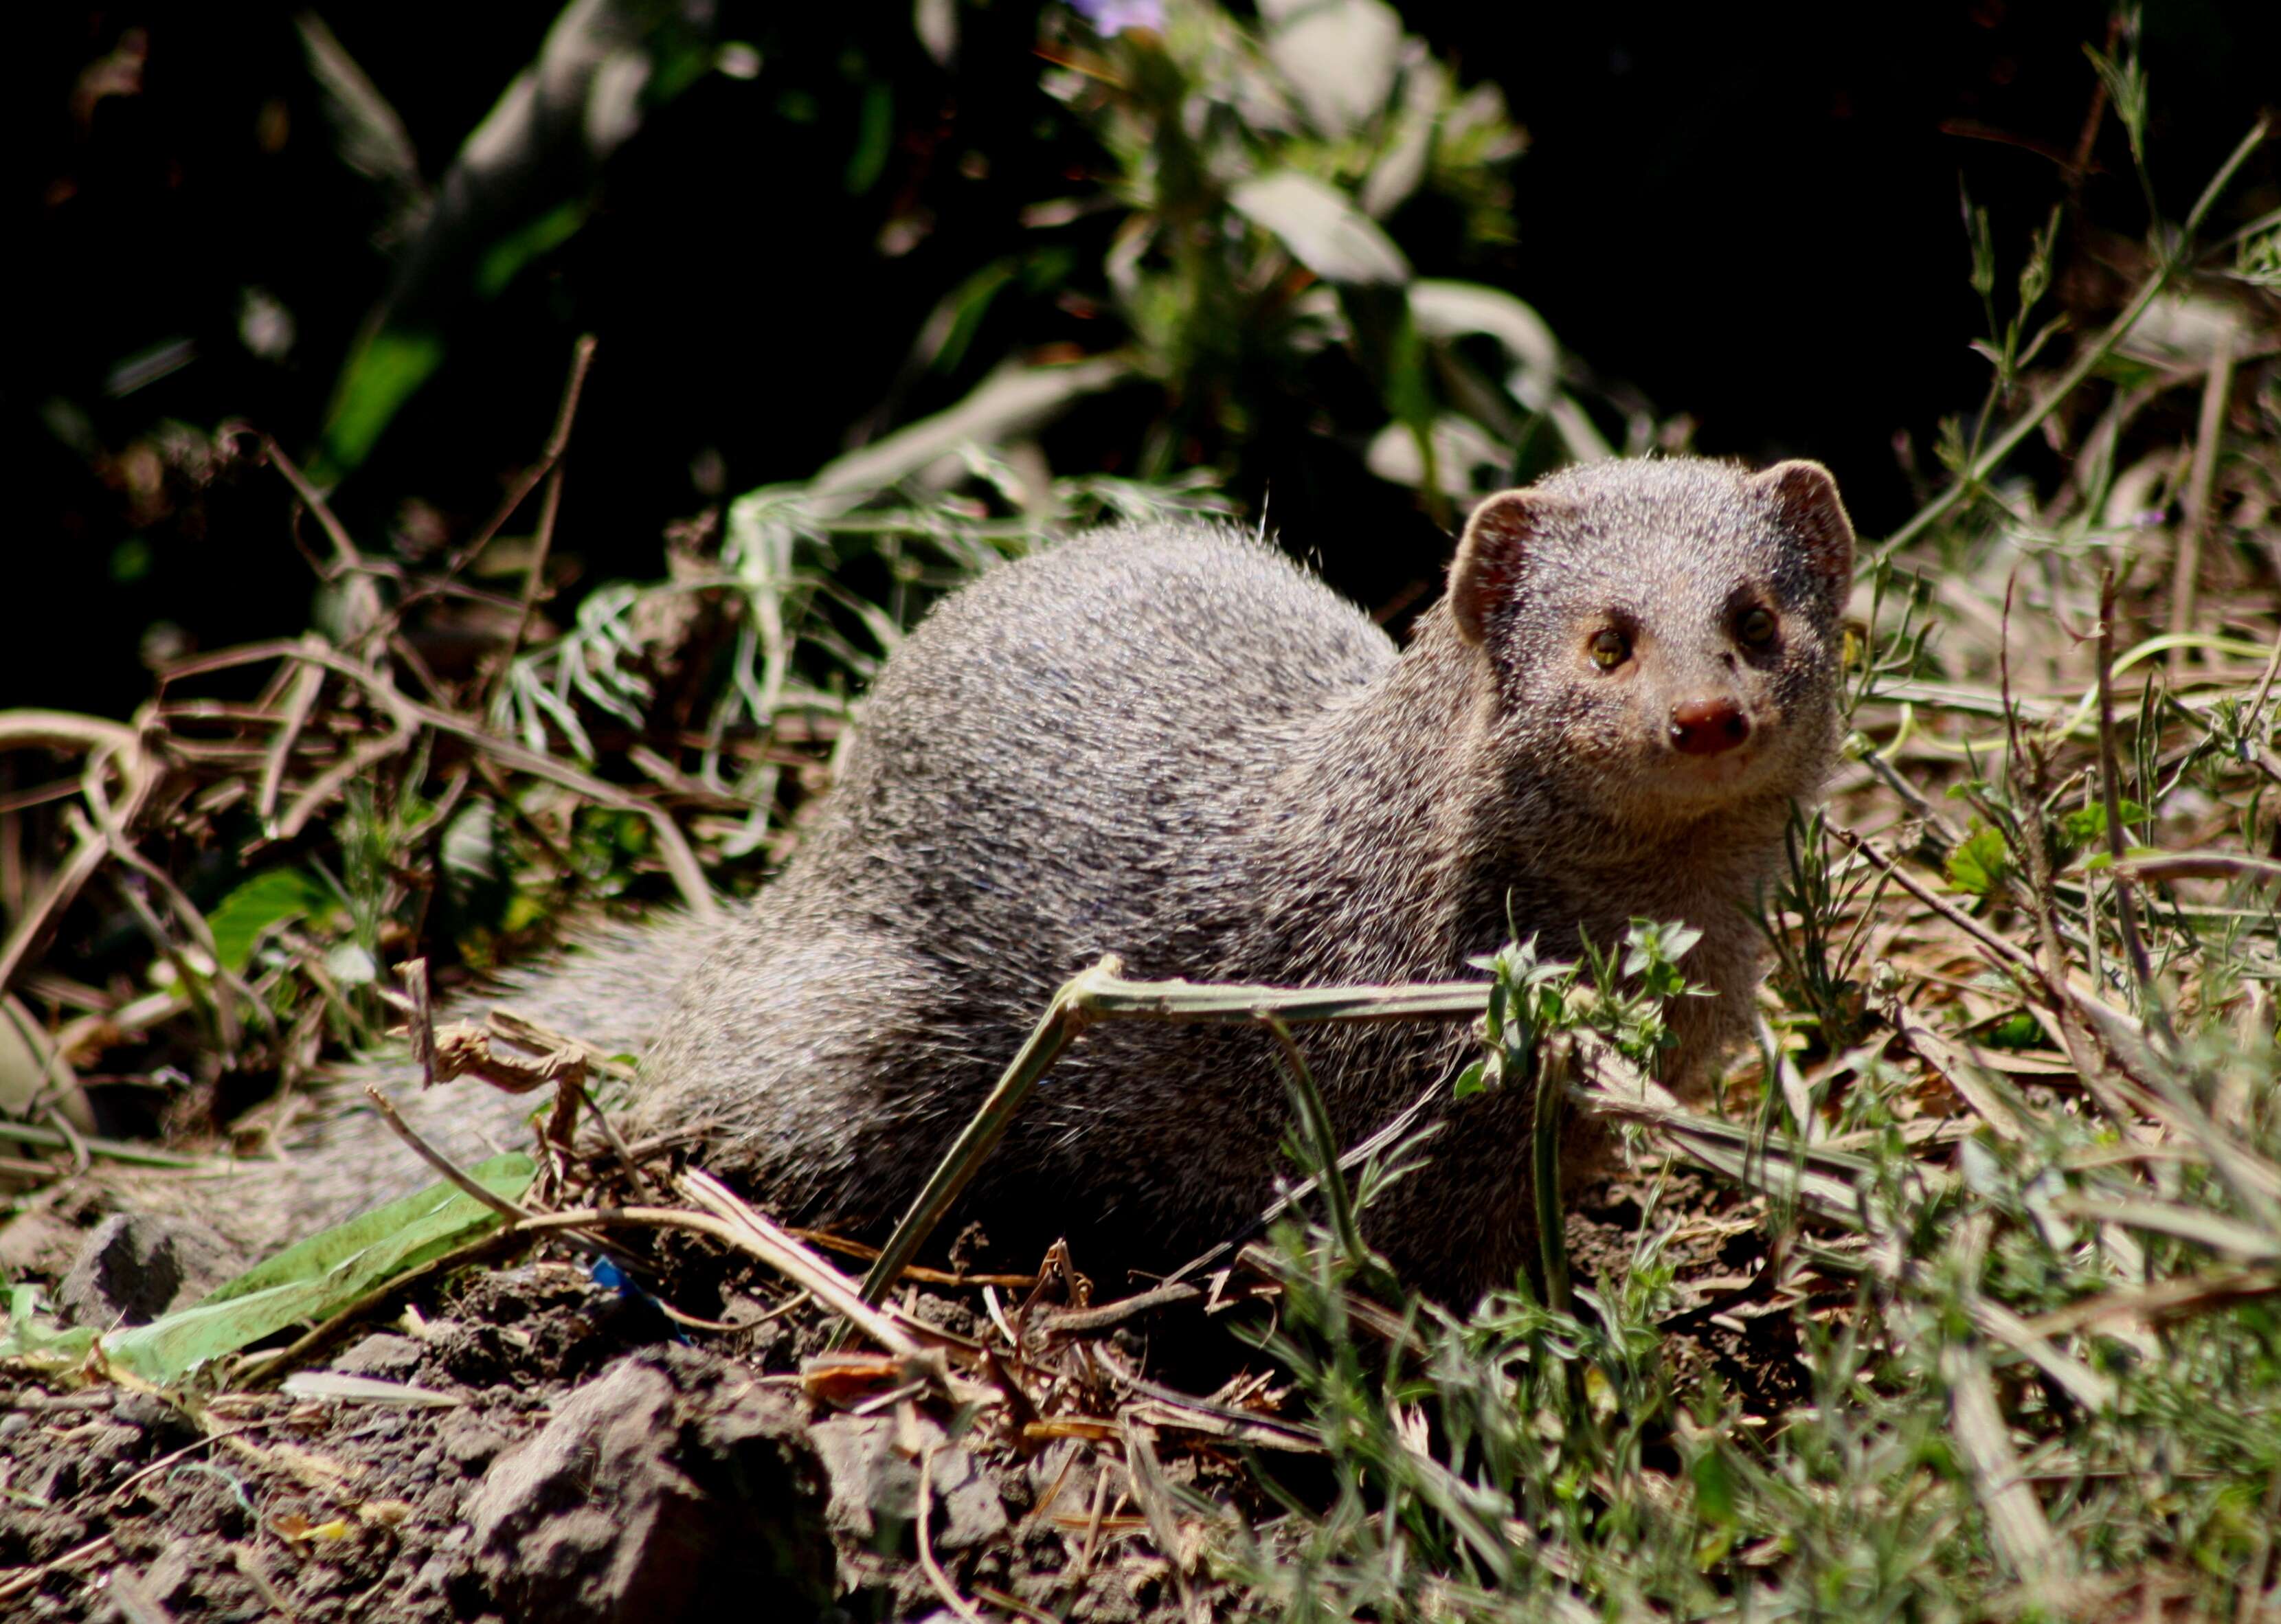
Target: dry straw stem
2017,1524
410,715
2195,523
109,746
936,1577
1103,992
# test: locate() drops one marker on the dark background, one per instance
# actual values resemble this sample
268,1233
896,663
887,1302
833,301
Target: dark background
1749,214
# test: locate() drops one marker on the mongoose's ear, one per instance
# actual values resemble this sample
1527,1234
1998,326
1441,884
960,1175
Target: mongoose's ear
1493,554
1805,498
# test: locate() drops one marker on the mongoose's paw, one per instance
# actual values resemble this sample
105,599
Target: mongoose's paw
1670,631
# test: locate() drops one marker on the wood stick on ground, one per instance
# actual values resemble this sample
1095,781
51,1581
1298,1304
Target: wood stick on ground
795,1262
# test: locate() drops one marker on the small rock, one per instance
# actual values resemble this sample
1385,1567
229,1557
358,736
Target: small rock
383,1356
152,1413
971,1512
133,1266
671,1487
469,1442
171,1576
874,1483
38,1244
869,1481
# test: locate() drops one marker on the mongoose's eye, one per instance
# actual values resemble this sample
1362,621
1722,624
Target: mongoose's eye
1755,629
1610,649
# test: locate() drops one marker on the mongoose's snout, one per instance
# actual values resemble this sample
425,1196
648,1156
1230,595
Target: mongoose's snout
1708,727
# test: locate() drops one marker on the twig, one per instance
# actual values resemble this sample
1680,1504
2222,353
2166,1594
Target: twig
169,1458
1103,992
1065,1018
441,1162
14,1584
680,859
756,1235
108,1149
543,536
581,358
958,1604
300,699
320,792
1067,1321
140,771
363,610
2008,953
63,729
1956,1068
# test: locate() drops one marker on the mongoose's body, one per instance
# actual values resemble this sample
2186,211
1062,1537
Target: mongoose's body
1171,744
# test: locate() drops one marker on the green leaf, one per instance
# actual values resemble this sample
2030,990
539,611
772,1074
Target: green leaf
2088,823
2015,1031
36,1338
385,372
875,139
1978,866
1715,1488
320,1276
258,906
960,315
1455,309
1321,229
503,260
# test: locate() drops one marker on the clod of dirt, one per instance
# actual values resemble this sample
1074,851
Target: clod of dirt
875,1481
383,1356
135,1265
674,1486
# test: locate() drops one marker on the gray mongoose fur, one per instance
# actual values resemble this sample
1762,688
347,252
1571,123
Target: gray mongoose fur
1170,743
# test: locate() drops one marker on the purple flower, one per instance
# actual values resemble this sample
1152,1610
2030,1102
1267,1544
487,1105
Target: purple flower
1110,17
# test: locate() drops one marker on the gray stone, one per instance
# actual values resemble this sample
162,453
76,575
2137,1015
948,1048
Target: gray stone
383,1356
874,1478
672,1486
134,1266
469,1441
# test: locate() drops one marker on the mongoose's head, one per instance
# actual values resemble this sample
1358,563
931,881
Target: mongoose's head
1663,637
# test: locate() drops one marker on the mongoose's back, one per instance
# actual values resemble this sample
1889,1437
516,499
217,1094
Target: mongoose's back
1053,766
1059,740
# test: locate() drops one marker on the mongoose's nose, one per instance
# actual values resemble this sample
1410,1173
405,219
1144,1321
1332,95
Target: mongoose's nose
1707,727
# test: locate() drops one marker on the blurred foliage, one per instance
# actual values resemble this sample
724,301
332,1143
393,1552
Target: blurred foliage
1234,241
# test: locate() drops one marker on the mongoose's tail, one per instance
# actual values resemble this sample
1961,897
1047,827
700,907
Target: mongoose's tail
614,989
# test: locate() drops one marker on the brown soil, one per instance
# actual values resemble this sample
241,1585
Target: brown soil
547,1446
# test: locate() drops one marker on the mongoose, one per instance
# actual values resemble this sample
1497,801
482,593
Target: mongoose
1169,742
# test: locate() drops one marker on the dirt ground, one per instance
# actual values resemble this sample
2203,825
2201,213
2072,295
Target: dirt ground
529,1442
